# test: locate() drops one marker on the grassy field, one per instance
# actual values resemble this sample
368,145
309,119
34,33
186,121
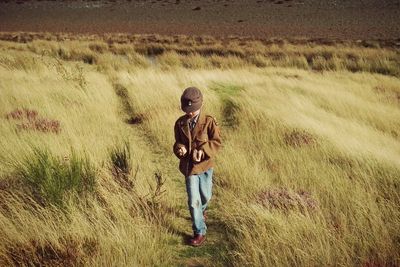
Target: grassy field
309,173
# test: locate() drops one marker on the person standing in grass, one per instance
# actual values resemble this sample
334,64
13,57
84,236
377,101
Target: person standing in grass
197,141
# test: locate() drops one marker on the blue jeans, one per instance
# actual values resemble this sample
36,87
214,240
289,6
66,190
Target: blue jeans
199,190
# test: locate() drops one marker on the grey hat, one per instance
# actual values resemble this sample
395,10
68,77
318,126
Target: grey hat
191,99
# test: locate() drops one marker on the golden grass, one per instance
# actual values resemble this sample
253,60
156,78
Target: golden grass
289,132
376,56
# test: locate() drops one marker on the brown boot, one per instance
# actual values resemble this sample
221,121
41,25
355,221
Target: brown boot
197,240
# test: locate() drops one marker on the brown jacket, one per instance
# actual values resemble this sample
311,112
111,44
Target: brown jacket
204,136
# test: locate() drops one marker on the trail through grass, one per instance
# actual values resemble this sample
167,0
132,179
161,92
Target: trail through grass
213,252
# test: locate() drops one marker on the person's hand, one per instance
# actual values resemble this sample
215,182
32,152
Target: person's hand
198,155
182,151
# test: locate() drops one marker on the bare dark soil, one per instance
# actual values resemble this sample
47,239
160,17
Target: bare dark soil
343,19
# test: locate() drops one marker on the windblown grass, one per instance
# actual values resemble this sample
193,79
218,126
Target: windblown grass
50,178
308,174
199,52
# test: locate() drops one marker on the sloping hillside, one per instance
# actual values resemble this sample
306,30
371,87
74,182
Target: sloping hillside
308,175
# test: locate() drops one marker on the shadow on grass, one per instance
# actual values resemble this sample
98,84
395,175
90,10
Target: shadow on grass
230,107
126,103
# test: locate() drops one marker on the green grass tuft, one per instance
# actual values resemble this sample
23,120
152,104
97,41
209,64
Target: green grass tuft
51,178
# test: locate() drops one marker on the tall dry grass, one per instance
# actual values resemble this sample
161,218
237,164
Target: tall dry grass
308,175
199,52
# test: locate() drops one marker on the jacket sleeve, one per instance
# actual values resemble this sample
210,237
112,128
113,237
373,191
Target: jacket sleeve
214,143
178,142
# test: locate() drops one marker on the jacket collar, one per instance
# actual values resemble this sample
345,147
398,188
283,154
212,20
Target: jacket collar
185,125
199,125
